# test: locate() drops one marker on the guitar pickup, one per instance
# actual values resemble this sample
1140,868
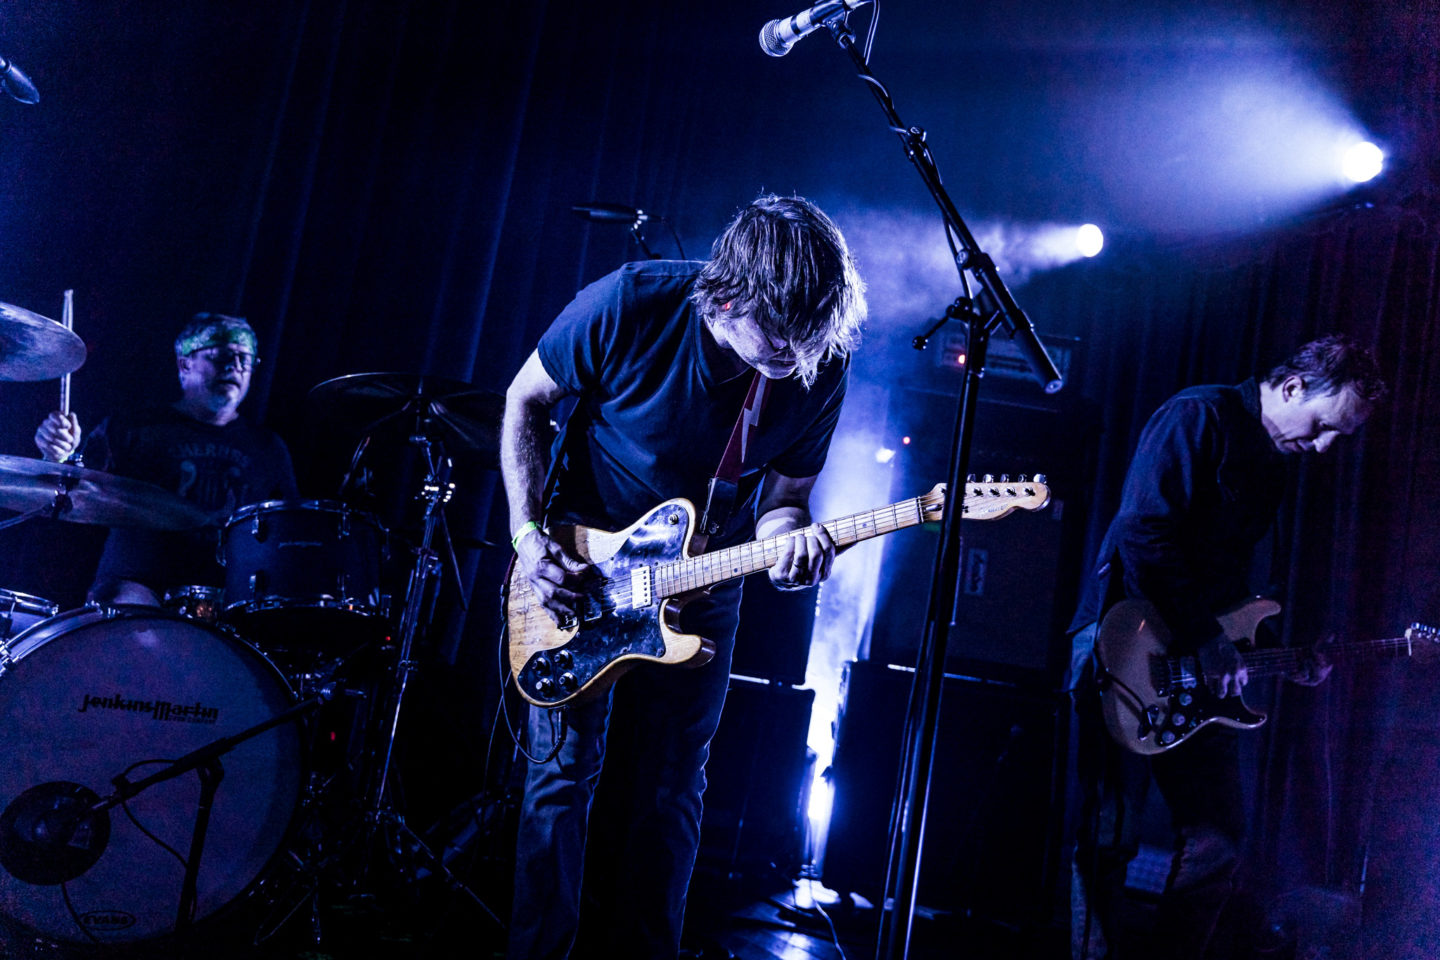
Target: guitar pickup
641,594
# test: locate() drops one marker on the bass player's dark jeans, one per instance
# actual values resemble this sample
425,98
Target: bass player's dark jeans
1200,782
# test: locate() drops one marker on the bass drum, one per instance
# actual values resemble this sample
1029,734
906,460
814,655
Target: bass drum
93,694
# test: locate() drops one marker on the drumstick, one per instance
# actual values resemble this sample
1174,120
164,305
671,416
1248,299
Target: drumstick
67,318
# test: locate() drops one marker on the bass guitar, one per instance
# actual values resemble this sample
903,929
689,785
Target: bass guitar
1153,700
646,573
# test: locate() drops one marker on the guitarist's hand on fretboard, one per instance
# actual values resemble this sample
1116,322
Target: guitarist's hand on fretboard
1222,667
806,557
1313,666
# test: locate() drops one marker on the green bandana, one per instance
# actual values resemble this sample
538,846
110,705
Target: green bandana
215,330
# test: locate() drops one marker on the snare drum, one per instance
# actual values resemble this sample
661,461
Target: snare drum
196,602
20,611
89,695
302,564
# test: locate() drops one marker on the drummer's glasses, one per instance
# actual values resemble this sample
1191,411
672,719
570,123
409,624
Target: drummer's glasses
223,359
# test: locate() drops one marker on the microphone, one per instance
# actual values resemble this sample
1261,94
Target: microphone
53,833
778,36
610,213
15,83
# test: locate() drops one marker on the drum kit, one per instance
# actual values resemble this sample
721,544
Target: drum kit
229,754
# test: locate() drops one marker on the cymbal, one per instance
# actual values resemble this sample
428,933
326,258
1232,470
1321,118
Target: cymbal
72,493
33,347
468,420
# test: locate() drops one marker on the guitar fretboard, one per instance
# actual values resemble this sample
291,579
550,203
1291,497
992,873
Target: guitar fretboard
1271,662
1281,661
697,573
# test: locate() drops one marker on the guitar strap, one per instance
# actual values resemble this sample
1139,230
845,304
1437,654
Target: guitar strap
720,498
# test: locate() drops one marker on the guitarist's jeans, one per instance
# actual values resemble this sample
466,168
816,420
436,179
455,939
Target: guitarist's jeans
659,722
1200,782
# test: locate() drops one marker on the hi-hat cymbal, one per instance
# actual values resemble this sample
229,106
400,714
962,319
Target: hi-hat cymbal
33,347
466,419
67,492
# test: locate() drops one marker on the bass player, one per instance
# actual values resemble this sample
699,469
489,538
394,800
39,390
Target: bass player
1204,486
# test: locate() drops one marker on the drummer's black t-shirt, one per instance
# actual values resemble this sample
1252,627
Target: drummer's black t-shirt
219,469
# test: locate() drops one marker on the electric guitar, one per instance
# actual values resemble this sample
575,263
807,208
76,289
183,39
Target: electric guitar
1153,701
646,573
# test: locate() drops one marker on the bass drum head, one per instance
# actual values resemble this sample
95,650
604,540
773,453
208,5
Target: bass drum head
90,696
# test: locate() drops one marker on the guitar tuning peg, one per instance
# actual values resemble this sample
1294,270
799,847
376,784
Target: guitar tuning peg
1004,478
989,478
1023,478
1039,478
969,478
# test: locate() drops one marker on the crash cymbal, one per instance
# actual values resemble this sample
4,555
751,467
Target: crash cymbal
468,420
33,347
67,492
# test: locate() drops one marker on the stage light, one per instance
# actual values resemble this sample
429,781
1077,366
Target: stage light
884,455
822,798
1362,161
1089,240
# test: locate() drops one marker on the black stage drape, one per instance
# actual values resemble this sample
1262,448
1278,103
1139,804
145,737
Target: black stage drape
385,186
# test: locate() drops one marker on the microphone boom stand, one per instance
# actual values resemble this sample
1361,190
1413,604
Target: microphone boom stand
992,308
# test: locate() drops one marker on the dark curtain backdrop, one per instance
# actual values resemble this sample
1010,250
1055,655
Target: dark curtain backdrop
385,186
1346,776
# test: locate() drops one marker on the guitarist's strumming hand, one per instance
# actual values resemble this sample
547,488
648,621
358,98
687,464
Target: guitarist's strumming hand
556,576
1222,667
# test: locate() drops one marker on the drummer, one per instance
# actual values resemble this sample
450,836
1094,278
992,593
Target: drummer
199,448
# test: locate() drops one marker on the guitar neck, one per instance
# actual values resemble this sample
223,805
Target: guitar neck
1272,662
708,569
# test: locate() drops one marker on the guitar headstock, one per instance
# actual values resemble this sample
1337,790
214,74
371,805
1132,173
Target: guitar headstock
989,498
1421,636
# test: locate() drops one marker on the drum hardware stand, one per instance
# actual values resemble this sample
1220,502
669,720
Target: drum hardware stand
381,816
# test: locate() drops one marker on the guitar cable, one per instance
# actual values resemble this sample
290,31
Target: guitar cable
557,737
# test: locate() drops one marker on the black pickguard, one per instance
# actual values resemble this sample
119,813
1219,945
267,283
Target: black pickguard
609,631
1187,704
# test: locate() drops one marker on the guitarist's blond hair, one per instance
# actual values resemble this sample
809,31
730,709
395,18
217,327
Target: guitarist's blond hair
784,263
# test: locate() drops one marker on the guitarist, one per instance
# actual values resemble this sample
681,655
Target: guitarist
660,357
1203,487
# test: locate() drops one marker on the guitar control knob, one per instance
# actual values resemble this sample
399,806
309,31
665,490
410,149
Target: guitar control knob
542,666
1185,699
568,681
1178,719
564,660
1168,737
546,688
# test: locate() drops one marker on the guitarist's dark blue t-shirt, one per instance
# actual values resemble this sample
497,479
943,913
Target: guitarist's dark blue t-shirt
654,415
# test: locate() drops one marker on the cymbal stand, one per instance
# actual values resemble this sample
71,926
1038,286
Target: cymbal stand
436,491
381,815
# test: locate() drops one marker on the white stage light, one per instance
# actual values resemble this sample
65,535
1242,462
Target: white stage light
1363,161
1089,240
